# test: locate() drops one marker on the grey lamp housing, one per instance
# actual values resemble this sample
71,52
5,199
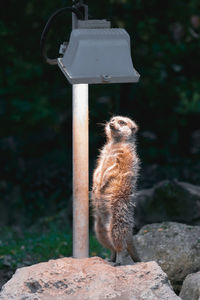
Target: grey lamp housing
97,54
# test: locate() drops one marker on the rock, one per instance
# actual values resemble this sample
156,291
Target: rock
191,287
168,201
174,246
89,278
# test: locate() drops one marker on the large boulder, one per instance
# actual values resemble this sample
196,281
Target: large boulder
92,278
191,287
174,246
168,201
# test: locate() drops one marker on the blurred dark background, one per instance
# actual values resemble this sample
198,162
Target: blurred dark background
36,104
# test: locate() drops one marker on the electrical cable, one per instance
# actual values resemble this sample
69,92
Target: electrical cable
43,50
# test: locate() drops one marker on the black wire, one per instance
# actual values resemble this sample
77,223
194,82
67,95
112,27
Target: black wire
47,28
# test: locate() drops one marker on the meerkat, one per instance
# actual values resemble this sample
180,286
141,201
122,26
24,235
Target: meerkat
114,184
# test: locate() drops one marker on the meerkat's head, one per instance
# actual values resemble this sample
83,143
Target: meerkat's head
120,129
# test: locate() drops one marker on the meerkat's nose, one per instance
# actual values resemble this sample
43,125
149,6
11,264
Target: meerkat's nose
112,125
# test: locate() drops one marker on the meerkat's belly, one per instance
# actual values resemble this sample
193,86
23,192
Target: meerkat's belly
115,169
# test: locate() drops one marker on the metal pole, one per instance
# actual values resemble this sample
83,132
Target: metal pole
80,171
80,167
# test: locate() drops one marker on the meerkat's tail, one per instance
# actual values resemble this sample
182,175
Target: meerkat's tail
121,227
121,231
118,237
132,250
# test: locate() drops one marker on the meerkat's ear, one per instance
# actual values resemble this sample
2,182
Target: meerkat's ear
135,128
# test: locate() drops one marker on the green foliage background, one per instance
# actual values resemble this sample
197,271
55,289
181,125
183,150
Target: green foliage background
35,100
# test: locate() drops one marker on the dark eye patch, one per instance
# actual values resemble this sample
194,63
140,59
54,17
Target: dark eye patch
120,122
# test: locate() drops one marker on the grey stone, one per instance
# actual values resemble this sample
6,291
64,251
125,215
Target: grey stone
88,279
168,201
174,246
191,287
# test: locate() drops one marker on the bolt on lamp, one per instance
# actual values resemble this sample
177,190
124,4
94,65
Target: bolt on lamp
95,54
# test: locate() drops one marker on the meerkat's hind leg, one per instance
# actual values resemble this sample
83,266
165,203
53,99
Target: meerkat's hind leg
132,249
103,237
119,259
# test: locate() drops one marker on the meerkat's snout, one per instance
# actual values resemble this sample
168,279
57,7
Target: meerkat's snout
112,125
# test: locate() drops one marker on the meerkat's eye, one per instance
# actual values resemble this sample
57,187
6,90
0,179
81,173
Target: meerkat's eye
122,122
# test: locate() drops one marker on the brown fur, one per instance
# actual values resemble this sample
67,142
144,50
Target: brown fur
114,182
